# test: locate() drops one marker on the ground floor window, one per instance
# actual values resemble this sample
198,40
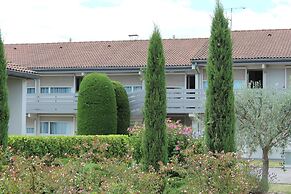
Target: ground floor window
30,90
54,128
30,130
132,88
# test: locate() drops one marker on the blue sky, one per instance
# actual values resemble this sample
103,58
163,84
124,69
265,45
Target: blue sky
89,20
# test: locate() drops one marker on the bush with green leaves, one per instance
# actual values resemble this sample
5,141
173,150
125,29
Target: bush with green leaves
123,110
94,172
97,112
62,146
179,138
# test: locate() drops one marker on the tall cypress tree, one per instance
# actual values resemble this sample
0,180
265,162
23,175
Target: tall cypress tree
220,117
4,112
154,144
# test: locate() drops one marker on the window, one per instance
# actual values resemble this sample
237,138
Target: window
44,90
30,130
44,127
30,90
55,90
60,90
238,84
78,83
205,84
54,128
190,82
130,89
255,77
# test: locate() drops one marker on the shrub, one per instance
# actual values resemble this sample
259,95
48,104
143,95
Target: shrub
123,110
179,138
61,146
97,113
202,173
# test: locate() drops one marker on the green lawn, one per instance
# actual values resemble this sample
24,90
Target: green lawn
282,188
272,164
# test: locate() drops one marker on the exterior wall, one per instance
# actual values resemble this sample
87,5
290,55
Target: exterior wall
17,105
30,83
127,79
60,80
275,78
175,80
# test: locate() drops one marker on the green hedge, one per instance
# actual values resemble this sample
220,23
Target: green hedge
123,110
58,146
97,112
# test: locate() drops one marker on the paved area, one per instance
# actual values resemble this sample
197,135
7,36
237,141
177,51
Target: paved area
279,176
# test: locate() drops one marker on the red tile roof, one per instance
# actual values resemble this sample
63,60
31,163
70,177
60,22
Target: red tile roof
256,44
19,69
178,52
250,44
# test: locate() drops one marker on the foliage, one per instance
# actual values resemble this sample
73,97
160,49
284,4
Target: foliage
264,121
93,172
220,117
62,146
4,110
154,142
123,110
179,138
97,113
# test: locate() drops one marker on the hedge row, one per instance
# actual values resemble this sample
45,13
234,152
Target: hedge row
118,145
59,146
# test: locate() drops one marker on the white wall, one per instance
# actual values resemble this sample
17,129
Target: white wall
17,105
60,80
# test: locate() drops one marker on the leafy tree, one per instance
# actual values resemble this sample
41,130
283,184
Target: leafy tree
154,145
97,113
219,113
123,110
264,122
4,110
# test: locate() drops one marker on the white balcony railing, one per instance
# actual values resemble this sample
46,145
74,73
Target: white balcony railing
178,101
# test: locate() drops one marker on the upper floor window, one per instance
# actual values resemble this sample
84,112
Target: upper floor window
30,90
55,90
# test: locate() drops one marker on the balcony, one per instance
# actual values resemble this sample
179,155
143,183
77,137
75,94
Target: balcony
52,103
178,100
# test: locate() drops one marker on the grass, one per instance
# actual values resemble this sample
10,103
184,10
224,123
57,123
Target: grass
284,188
272,163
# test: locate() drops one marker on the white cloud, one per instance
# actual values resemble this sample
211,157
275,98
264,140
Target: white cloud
58,20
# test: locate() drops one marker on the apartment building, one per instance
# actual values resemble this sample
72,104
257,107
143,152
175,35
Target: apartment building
258,55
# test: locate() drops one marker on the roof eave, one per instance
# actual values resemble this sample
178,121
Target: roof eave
22,74
203,62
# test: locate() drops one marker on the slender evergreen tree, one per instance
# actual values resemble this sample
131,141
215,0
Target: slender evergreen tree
220,116
154,144
4,112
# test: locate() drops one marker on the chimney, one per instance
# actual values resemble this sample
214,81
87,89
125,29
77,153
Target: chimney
133,36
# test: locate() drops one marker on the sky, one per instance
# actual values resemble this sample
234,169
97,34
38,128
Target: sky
34,21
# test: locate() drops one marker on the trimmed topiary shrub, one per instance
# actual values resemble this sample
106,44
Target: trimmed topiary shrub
97,113
123,110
